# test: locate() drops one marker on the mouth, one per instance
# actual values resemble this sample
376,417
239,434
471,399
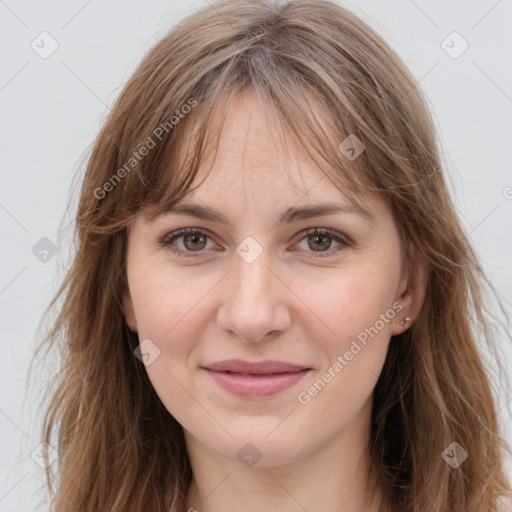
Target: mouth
266,378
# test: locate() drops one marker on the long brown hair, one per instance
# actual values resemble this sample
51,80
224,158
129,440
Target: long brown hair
119,448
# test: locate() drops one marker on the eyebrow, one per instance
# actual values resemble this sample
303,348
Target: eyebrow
289,215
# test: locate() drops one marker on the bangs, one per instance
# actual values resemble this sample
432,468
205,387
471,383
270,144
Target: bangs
299,119
321,103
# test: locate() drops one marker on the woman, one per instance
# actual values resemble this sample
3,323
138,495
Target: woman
273,305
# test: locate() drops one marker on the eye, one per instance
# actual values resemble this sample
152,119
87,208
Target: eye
320,241
192,240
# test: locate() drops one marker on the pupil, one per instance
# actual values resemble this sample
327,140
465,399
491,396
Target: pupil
194,238
318,241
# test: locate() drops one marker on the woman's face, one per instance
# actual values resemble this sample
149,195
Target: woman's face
247,287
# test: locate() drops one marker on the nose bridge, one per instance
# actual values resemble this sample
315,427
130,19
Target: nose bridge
253,306
252,287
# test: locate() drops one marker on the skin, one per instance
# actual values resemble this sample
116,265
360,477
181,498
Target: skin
289,304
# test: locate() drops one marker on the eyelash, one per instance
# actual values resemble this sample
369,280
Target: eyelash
167,240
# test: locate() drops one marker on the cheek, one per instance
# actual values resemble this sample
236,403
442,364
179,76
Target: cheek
165,299
355,311
170,311
353,301
170,323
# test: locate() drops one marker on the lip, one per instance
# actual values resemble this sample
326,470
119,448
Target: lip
253,368
244,378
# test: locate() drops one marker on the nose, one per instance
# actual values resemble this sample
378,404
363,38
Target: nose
254,307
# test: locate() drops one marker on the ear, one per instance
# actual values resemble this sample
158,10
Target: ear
411,292
129,313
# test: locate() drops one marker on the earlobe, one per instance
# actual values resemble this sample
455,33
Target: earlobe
129,313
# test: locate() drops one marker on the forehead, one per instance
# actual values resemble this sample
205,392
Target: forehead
255,154
238,146
257,172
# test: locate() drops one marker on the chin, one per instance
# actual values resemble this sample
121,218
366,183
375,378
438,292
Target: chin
262,453
258,442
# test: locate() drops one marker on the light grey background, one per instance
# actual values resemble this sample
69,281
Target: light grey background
52,109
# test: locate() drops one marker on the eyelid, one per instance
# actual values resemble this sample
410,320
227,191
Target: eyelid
340,238
326,232
167,239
